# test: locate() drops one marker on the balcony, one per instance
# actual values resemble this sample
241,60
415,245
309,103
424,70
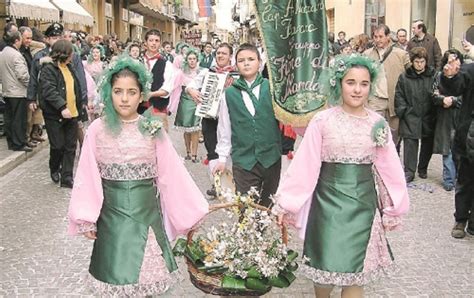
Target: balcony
149,8
184,15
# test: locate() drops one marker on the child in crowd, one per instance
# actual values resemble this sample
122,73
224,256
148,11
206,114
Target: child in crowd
248,130
186,120
345,186
132,193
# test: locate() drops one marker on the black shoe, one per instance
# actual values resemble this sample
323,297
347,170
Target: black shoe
458,230
422,175
67,183
55,177
448,187
409,178
24,148
470,228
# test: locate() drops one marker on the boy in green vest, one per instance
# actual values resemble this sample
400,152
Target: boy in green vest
248,130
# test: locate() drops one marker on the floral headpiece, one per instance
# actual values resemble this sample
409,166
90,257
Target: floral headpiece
331,77
179,46
191,51
101,50
105,86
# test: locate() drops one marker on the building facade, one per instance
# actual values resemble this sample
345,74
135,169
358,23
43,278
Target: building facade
448,20
128,19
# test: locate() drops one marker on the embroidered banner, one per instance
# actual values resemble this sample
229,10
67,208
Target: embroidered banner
294,34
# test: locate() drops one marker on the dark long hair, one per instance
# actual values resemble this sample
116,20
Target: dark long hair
61,50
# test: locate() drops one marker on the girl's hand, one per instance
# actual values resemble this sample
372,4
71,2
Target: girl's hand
66,113
92,235
195,94
219,168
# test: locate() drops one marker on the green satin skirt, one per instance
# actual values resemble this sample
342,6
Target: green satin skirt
341,217
129,209
185,117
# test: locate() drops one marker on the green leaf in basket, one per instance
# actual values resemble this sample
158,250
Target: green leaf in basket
220,270
292,255
180,247
213,269
292,267
233,283
279,281
253,273
290,277
256,284
194,253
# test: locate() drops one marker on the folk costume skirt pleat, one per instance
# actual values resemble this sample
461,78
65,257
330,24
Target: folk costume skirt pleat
185,119
129,209
340,219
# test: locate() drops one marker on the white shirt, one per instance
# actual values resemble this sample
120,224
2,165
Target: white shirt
224,131
167,76
197,82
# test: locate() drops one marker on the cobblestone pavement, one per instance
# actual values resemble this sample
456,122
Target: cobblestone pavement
37,258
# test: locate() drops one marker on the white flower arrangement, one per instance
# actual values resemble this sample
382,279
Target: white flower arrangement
150,126
251,248
380,132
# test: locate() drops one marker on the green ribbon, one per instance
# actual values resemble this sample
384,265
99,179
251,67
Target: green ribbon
242,85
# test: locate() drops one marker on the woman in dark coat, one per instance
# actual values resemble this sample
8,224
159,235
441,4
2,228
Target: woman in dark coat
414,107
458,80
62,105
447,108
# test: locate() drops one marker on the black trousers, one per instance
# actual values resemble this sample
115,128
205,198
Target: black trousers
15,122
62,137
410,155
264,180
287,144
209,132
464,197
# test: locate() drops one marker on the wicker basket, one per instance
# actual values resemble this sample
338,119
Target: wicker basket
211,283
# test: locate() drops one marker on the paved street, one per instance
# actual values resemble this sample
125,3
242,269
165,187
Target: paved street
37,258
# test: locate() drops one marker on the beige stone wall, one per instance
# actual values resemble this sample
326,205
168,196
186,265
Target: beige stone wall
349,17
398,15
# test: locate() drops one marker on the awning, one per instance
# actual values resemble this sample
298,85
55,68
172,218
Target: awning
41,10
73,12
150,9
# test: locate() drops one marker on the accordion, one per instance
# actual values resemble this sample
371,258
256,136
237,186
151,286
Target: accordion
211,91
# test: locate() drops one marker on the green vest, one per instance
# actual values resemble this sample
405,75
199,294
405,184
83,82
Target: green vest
206,62
254,139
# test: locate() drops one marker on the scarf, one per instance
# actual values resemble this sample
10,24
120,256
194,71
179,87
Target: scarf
228,69
148,59
242,85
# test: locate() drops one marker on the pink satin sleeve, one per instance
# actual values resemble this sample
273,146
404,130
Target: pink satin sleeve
87,195
182,202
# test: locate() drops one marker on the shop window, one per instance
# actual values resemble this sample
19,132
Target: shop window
462,26
374,15
109,26
424,10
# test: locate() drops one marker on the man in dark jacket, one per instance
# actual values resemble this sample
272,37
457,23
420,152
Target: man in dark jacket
414,107
52,34
423,39
459,80
61,101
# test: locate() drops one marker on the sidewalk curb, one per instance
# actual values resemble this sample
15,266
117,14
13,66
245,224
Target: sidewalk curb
16,158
